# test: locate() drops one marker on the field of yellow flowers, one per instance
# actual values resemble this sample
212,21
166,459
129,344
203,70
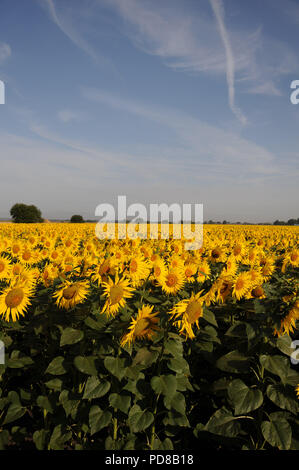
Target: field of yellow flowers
140,344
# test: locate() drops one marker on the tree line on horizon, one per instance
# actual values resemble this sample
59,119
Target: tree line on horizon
23,213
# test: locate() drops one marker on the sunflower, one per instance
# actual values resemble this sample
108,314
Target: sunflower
48,275
27,255
14,300
267,269
176,262
15,248
71,294
159,269
103,270
256,292
224,288
288,323
217,254
187,312
55,255
291,258
255,275
5,267
21,273
294,258
297,391
238,251
241,285
144,326
190,271
16,269
138,270
252,256
173,281
231,266
116,292
204,271
210,296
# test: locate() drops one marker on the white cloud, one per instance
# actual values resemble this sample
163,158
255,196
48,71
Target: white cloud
267,88
64,22
208,149
5,51
192,43
218,10
65,115
70,177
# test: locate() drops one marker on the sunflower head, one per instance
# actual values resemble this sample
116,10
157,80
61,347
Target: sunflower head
143,327
71,294
14,301
173,281
116,293
186,313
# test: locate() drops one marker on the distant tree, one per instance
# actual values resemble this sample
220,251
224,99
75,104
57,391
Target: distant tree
23,213
279,222
225,222
292,221
77,219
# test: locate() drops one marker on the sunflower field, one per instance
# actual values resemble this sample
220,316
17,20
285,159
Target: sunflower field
140,344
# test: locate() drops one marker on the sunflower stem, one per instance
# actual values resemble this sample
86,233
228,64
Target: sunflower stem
115,427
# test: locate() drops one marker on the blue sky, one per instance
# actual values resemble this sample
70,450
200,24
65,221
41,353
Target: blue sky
183,101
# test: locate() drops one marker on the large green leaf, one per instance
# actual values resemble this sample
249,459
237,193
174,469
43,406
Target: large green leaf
277,365
241,330
164,384
283,343
98,419
223,423
176,419
116,366
145,357
14,412
244,399
71,336
175,402
95,388
120,401
59,438
86,364
277,432
97,324
69,403
139,419
44,403
16,362
179,365
56,366
54,384
174,346
39,439
209,316
235,362
281,395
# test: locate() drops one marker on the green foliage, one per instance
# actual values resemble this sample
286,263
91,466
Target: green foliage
68,384
77,219
23,213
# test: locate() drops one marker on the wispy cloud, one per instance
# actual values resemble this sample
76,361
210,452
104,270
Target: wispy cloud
218,10
5,51
66,115
213,149
191,42
266,88
64,22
